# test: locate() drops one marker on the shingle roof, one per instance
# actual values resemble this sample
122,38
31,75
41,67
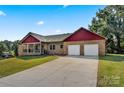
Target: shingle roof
50,38
59,37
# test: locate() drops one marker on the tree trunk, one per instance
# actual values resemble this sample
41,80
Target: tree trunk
118,44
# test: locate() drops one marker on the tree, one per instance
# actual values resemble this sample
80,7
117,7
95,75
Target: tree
109,22
9,46
116,24
2,48
15,47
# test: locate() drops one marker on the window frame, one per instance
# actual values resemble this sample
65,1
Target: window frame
54,47
61,46
51,47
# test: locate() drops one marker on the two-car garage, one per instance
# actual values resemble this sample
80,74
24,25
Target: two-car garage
88,50
84,42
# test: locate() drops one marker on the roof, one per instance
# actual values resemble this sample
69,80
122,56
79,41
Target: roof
49,38
59,37
84,34
91,32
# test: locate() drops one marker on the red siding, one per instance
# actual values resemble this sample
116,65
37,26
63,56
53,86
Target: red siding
30,39
83,35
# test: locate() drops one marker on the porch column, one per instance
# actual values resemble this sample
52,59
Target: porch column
27,48
40,47
34,48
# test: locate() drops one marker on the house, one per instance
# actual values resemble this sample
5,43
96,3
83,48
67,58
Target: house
81,42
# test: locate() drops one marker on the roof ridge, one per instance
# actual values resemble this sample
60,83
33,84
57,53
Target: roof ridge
59,34
49,35
35,33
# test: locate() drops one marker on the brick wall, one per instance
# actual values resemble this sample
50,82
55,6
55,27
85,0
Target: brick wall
101,44
57,50
64,50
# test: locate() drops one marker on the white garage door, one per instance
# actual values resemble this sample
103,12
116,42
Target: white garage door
91,50
73,49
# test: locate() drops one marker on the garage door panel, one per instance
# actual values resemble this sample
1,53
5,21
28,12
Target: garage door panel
91,49
73,49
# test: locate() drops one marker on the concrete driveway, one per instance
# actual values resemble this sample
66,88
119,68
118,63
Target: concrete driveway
69,71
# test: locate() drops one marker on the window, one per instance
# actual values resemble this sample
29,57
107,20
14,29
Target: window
61,46
42,46
30,46
37,47
50,47
25,50
53,47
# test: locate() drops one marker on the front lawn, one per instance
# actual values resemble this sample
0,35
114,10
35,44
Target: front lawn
14,65
111,71
1,58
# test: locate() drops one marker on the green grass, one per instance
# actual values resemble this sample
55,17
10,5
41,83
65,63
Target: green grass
111,71
14,65
30,57
1,58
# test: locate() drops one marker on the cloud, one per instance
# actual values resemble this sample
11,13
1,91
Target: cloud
58,31
40,23
2,13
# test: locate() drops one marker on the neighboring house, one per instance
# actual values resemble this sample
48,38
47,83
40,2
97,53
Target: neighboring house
81,42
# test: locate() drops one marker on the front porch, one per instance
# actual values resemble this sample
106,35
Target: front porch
31,49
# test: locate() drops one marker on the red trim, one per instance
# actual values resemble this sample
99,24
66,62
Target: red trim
30,39
83,34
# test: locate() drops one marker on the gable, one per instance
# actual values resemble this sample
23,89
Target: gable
30,39
83,35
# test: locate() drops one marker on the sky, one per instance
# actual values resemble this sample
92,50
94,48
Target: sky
16,21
